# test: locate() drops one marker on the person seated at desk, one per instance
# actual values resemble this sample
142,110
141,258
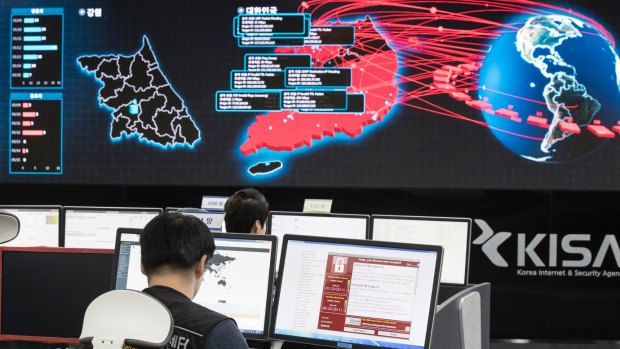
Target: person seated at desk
175,249
246,212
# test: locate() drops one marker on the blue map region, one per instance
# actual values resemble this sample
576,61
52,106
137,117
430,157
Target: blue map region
537,42
142,101
560,68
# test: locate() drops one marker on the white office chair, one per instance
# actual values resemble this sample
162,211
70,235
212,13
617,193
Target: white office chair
128,317
9,227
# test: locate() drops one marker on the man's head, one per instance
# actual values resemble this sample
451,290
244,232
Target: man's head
173,244
246,212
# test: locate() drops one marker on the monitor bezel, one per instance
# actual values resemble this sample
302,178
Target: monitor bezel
156,210
41,207
41,249
326,215
117,245
431,218
231,236
355,242
270,282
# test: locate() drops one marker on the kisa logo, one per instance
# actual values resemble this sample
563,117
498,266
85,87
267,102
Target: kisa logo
572,255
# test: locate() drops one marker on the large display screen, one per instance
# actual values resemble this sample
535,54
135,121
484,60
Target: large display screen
501,94
227,287
453,234
350,293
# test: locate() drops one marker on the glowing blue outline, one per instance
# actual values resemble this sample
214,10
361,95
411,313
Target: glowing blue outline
314,87
135,134
245,58
304,33
266,173
276,44
256,72
217,109
45,96
48,11
317,110
326,26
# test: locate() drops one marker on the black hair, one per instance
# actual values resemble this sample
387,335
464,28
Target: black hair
243,208
174,240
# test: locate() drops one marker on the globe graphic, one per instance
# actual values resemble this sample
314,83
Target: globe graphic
556,67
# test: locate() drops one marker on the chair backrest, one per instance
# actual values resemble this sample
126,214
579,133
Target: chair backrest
470,320
126,317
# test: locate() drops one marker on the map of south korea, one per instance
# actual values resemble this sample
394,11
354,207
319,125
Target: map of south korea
142,101
374,67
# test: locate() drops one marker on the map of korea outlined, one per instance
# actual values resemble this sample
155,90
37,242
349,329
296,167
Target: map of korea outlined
143,103
374,67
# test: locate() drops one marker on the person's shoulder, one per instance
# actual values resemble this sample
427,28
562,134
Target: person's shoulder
202,319
186,313
196,311
204,311
225,334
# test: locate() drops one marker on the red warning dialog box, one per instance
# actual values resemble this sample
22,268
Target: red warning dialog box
368,295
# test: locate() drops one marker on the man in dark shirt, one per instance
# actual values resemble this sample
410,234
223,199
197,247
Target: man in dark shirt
246,212
175,249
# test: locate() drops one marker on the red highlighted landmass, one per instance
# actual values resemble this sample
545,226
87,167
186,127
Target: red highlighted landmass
373,66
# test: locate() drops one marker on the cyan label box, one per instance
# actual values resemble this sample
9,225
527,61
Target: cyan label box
318,77
335,36
314,100
282,25
250,101
253,80
259,41
273,62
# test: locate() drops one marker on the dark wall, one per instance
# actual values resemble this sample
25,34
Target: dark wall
443,202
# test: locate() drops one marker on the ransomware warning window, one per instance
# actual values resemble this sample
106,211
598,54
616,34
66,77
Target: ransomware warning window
372,296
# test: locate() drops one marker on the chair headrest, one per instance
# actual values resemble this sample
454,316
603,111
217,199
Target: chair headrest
126,317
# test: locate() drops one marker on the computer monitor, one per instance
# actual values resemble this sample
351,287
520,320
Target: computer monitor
356,293
95,227
238,282
45,291
348,226
38,225
453,234
213,219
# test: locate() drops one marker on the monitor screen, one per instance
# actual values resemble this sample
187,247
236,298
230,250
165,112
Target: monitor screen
453,234
238,282
356,293
38,225
299,93
349,226
213,219
95,227
45,291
